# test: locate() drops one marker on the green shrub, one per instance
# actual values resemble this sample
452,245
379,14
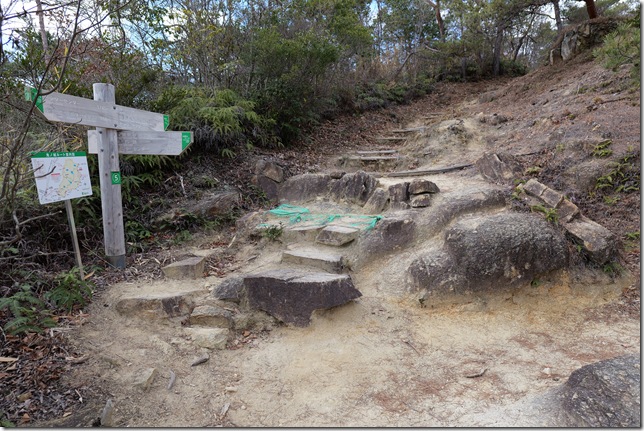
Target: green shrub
28,313
622,46
69,291
220,119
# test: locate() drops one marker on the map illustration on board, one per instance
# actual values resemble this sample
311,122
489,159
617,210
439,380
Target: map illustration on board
61,176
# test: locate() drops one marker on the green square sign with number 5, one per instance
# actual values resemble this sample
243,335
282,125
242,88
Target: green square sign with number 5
116,178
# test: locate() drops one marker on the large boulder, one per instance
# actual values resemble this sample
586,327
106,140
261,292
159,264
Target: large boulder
389,235
604,394
498,168
304,188
377,202
486,253
354,188
582,37
292,296
218,203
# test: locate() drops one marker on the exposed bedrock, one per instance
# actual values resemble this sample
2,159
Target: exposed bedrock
486,253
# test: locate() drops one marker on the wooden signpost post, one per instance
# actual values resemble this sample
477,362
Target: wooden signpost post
119,129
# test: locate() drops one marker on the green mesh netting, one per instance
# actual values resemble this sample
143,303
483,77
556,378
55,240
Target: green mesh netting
300,214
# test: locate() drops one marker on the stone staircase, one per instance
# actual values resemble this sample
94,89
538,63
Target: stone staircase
374,160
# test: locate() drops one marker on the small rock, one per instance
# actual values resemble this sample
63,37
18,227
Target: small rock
377,202
336,175
229,290
211,316
597,241
498,168
567,211
399,192
420,186
158,306
270,170
421,201
326,261
217,203
145,378
305,187
191,268
209,338
107,418
231,389
267,185
551,197
200,360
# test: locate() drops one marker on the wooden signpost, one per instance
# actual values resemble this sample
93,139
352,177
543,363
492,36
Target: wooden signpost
119,129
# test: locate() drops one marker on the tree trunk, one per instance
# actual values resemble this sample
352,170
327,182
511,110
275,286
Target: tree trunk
555,5
41,23
591,8
436,4
498,46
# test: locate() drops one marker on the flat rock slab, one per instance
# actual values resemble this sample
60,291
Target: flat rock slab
301,233
191,268
337,235
420,186
330,262
596,241
211,316
421,201
291,296
209,338
604,394
158,306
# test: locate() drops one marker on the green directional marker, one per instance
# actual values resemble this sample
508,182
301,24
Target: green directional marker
31,94
116,177
186,139
166,122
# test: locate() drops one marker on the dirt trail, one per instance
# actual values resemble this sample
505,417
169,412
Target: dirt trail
382,360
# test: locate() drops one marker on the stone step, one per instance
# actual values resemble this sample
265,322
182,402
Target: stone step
337,235
159,305
410,130
364,153
330,262
302,233
291,295
374,158
191,268
390,138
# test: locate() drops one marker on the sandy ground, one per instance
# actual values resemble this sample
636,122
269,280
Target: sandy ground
382,360
379,361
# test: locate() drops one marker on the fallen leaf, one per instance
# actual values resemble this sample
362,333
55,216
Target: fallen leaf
67,414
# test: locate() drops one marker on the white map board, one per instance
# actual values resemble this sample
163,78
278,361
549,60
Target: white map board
61,176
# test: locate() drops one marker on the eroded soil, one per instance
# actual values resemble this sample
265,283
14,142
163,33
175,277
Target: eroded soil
383,360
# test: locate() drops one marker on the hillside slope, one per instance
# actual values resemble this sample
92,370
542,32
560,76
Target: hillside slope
556,120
